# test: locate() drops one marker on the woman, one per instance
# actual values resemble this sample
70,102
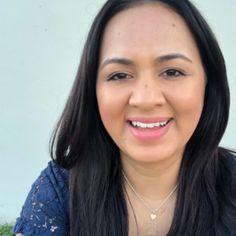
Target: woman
136,149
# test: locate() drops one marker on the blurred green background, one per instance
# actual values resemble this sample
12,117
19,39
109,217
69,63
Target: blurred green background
40,47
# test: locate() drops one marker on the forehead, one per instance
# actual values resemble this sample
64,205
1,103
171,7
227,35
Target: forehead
144,26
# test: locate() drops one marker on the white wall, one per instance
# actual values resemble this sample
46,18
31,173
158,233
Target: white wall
40,47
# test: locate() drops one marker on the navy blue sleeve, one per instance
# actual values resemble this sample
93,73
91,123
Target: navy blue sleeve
234,179
45,211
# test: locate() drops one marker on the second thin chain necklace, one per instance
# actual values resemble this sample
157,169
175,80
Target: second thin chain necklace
153,212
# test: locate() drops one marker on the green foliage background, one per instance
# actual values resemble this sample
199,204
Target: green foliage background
5,230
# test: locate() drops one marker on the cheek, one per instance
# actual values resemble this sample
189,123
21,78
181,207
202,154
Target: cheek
188,109
112,105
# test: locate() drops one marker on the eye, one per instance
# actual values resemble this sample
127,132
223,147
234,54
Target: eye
173,73
119,76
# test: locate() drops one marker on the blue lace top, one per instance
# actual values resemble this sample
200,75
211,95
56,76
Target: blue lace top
45,211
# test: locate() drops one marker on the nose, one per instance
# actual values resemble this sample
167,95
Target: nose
147,94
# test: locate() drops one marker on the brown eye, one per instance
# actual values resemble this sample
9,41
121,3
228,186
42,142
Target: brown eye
173,73
119,76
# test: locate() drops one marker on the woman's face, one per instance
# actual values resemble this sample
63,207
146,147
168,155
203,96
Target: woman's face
150,83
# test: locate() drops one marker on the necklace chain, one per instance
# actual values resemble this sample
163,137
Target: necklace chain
145,203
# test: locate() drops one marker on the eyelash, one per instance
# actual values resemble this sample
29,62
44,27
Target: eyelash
174,73
116,75
169,73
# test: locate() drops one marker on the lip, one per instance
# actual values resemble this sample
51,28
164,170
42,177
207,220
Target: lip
146,134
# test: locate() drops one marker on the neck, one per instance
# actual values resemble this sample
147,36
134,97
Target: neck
154,181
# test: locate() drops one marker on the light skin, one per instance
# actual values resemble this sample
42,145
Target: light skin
149,71
150,68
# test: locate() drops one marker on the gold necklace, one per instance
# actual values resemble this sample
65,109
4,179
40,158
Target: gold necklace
152,224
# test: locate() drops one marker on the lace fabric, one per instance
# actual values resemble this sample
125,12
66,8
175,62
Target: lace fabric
45,211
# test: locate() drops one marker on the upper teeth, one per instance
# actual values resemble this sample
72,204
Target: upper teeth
149,125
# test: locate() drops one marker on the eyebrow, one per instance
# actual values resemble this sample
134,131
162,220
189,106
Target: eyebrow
117,60
160,59
172,56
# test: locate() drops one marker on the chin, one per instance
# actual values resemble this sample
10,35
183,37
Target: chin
154,155
148,158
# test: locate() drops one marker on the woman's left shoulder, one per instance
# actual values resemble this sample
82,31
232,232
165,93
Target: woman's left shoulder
232,160
227,158
227,193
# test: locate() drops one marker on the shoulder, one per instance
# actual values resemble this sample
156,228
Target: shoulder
232,162
52,183
227,159
234,169
227,170
227,190
45,210
55,176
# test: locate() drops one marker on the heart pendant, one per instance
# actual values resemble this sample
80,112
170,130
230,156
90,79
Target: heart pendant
153,216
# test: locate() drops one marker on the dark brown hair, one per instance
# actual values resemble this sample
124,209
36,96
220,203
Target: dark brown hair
205,202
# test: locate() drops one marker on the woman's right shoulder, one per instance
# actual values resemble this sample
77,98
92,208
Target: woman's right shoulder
56,174
45,210
53,178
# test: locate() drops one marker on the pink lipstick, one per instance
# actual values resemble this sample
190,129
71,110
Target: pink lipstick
149,128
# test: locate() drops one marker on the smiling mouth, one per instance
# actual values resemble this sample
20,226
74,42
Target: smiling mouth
153,125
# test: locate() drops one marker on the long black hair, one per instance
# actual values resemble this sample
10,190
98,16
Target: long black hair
205,200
